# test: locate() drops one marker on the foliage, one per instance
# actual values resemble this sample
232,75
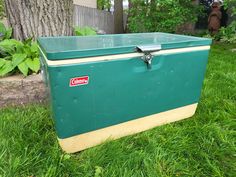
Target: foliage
229,4
18,56
5,33
228,34
161,15
203,145
85,31
104,5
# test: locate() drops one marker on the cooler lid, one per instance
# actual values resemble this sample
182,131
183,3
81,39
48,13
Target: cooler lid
68,47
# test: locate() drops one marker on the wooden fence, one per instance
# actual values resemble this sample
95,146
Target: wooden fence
98,19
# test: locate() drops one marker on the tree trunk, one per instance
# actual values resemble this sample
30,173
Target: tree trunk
33,18
118,16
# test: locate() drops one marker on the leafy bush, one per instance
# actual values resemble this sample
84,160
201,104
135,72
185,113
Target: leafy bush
5,33
18,56
104,4
85,31
228,34
161,15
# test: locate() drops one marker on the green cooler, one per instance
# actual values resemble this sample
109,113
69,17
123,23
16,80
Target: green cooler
109,86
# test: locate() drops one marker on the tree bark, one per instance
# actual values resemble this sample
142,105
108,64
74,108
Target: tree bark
34,18
118,16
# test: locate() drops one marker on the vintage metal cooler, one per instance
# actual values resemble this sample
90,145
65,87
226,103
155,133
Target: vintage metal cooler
109,86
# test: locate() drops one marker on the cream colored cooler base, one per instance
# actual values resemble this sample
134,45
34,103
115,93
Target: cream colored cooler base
93,138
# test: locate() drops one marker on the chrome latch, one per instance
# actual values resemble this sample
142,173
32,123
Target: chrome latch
147,58
146,50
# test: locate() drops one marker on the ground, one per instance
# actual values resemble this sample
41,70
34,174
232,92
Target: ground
204,145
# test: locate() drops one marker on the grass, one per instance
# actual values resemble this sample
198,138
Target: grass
203,145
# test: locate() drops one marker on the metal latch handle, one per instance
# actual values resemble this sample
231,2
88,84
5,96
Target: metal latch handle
147,49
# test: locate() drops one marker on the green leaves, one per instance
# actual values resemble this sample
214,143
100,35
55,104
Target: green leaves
33,64
5,33
21,62
6,68
19,56
227,34
86,31
8,33
104,5
16,55
34,47
2,62
23,68
161,15
98,171
10,46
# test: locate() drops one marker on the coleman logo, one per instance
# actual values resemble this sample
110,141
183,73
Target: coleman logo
77,81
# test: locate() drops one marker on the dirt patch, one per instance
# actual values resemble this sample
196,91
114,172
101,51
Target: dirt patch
18,90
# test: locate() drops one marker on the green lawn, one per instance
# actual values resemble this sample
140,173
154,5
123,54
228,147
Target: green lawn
204,145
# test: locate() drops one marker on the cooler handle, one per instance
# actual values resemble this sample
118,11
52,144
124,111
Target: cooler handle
148,48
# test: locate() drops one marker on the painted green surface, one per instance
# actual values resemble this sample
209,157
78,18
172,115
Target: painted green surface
123,90
120,90
57,48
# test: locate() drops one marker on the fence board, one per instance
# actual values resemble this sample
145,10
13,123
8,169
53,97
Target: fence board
98,19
